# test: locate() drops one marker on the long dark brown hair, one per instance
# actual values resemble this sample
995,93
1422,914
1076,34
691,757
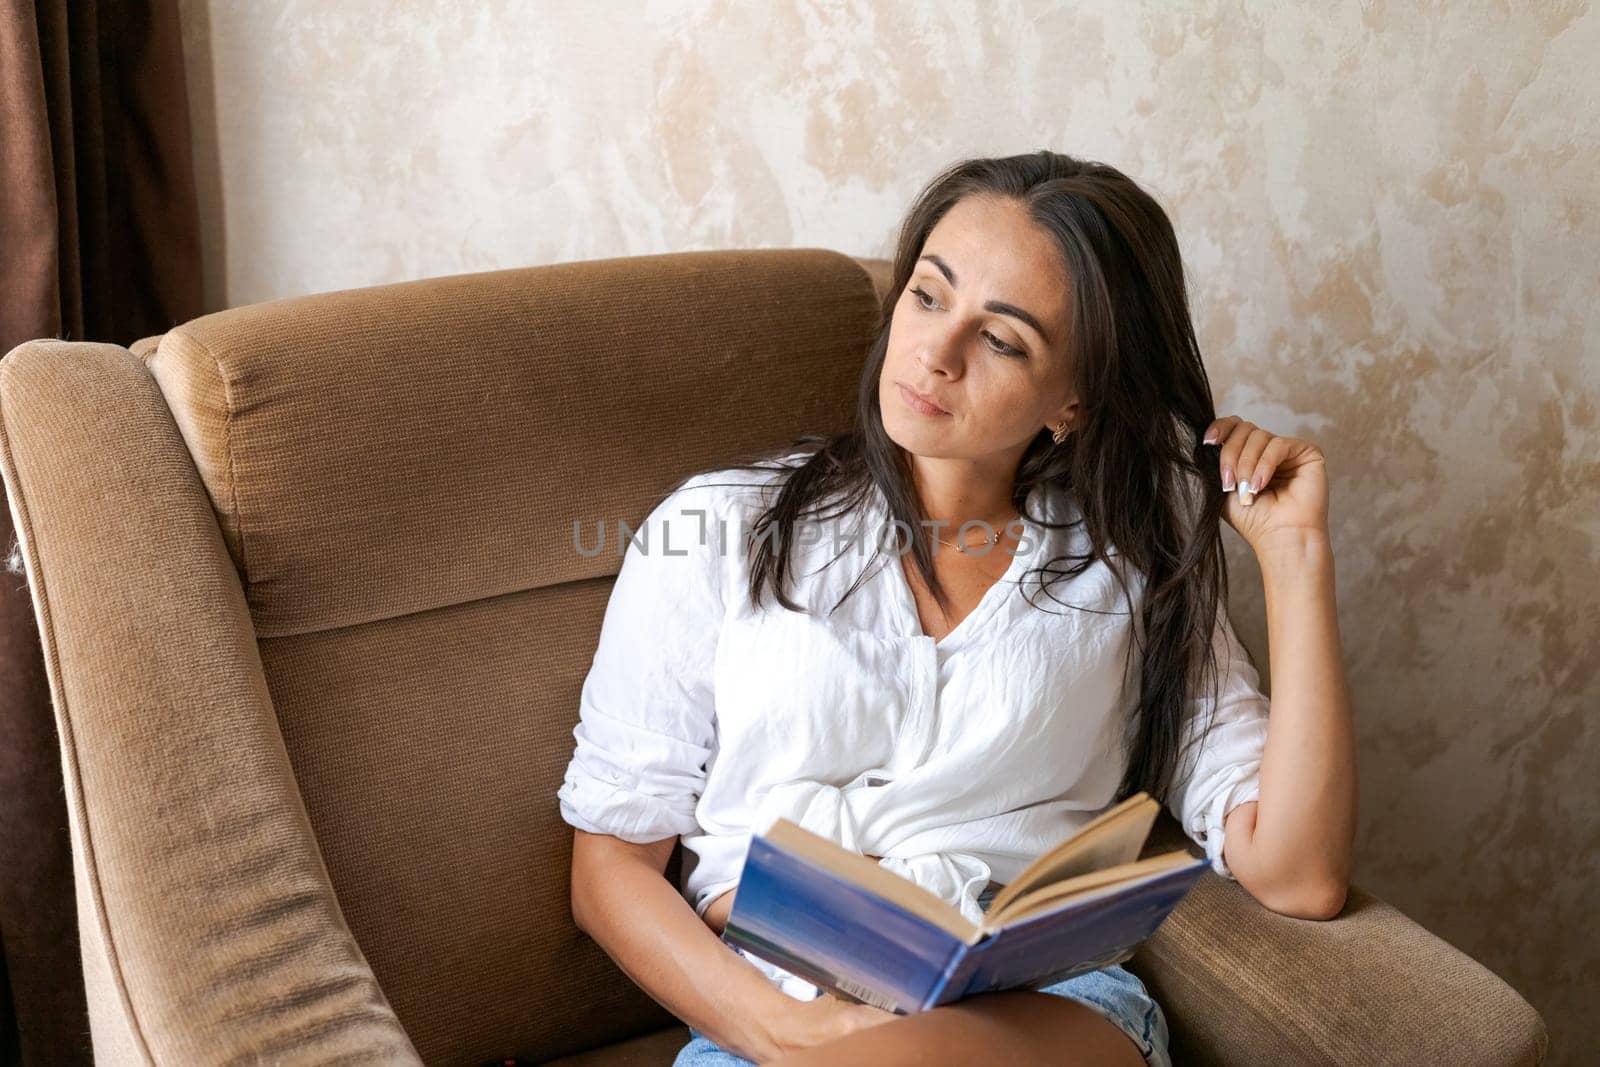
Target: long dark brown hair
1145,488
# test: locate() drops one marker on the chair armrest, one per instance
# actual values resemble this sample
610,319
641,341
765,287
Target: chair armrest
210,932
1240,983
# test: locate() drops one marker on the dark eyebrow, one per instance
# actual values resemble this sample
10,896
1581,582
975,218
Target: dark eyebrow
996,306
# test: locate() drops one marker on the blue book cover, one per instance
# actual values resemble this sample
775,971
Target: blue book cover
853,928
1054,945
835,933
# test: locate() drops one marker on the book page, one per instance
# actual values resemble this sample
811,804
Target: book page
1114,837
1085,887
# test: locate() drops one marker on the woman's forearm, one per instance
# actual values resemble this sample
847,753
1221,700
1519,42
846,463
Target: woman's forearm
654,936
1299,846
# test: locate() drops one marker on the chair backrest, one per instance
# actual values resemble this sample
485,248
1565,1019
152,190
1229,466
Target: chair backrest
396,472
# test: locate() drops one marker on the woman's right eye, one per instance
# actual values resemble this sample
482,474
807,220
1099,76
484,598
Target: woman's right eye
922,298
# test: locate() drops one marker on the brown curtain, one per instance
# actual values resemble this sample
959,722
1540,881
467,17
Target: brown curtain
99,241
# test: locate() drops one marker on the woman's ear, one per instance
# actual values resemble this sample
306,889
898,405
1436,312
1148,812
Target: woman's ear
1068,415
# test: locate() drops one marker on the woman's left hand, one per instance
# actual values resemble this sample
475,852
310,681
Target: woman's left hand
1290,497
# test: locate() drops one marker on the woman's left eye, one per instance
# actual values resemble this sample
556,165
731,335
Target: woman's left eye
1001,346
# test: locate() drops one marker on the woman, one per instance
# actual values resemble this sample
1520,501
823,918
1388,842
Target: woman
1036,631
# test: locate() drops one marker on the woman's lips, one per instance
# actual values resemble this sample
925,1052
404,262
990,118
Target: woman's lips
916,403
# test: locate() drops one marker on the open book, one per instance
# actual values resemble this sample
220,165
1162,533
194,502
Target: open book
851,927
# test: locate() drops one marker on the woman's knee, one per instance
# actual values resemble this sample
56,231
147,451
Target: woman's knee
1012,1027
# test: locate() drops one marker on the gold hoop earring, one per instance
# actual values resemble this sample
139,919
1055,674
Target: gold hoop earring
1061,433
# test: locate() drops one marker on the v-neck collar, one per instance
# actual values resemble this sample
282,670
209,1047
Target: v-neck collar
910,625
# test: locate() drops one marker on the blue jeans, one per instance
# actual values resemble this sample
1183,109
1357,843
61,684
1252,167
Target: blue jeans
1114,992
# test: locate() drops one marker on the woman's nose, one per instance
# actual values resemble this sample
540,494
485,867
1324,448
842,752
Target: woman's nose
941,350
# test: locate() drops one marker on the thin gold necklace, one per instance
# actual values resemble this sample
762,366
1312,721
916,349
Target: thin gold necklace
990,542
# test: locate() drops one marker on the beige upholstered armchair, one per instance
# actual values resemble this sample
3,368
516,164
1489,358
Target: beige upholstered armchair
316,629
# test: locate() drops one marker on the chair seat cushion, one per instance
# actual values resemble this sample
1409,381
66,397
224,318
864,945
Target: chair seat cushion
655,1049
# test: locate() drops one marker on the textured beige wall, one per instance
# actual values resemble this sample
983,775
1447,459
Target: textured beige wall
1390,218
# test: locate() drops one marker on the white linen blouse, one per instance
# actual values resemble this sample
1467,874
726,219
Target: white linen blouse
957,760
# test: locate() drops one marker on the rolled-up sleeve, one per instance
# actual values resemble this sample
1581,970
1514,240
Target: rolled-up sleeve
646,712
1219,765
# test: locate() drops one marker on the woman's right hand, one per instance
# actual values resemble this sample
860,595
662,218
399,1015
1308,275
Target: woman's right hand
824,1018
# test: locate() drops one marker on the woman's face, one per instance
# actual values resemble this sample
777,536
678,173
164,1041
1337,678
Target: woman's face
981,327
